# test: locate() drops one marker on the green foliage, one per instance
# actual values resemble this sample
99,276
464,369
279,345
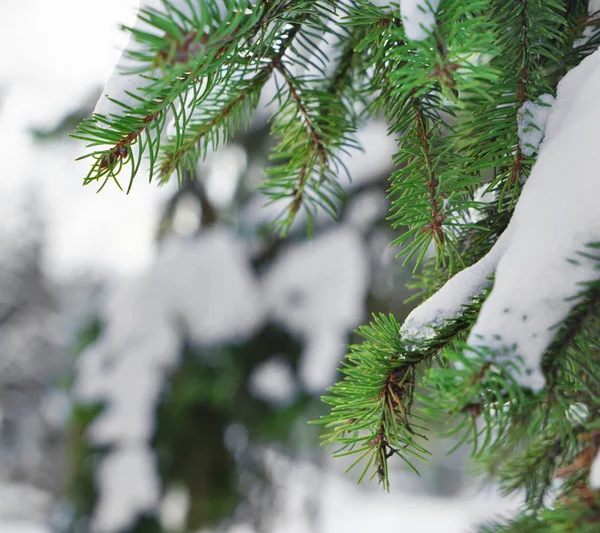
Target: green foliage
530,37
420,84
580,513
452,102
525,439
371,408
206,72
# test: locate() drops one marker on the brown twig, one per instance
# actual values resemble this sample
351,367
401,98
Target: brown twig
437,217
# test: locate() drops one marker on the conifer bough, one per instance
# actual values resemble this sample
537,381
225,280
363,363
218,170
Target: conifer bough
495,193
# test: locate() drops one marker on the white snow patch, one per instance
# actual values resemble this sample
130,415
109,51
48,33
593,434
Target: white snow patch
174,508
317,290
187,218
370,164
555,218
594,7
205,287
366,209
595,473
55,409
532,118
347,507
448,302
225,170
20,501
131,392
418,17
84,232
273,381
67,43
129,486
483,196
18,526
236,438
578,413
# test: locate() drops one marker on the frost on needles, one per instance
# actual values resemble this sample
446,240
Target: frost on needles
506,342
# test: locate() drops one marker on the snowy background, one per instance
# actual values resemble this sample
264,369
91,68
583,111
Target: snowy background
68,254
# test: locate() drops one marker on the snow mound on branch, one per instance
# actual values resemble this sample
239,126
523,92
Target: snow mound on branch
418,17
448,302
538,269
532,118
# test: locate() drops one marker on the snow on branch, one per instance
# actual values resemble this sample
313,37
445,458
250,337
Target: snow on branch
538,266
532,118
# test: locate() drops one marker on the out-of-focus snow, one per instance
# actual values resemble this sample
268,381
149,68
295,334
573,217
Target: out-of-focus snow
556,217
129,486
375,159
174,508
80,42
224,171
532,118
22,527
366,209
418,17
595,473
203,289
23,502
273,381
37,86
344,507
317,290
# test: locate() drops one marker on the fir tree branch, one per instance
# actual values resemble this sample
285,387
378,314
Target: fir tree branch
429,191
313,127
371,408
181,71
227,102
191,62
317,154
527,32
